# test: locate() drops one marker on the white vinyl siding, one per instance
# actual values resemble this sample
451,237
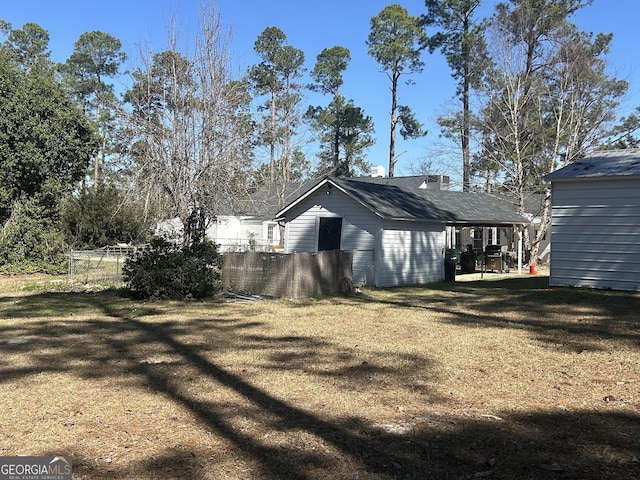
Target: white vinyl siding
409,254
385,254
359,227
595,233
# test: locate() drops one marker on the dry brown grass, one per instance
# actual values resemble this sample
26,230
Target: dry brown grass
506,380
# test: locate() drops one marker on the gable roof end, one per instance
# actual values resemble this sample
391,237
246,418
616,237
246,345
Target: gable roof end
280,215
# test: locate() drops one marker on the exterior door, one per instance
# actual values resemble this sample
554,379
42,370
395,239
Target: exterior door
329,233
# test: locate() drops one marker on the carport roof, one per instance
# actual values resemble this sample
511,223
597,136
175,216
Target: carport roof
396,199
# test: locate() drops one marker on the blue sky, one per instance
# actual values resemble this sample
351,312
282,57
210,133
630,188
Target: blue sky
312,26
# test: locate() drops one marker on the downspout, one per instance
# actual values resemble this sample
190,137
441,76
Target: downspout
282,232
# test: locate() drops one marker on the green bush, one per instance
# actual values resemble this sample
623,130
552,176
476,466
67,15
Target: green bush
95,218
31,239
166,270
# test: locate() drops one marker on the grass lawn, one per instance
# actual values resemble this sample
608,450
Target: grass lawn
506,379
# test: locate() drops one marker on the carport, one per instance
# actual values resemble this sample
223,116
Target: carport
489,241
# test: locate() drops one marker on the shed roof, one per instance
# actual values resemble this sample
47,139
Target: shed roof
600,164
395,199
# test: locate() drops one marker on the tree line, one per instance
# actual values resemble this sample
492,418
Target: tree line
83,165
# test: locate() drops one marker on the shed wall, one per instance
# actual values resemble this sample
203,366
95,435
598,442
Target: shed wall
409,254
359,227
595,233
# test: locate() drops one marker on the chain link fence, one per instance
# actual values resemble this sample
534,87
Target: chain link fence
98,266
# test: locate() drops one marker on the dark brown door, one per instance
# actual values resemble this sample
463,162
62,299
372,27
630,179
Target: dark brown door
329,233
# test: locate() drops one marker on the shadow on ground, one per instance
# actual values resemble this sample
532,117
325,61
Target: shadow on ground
538,308
532,445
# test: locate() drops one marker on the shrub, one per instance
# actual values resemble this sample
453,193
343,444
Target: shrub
94,218
31,239
166,270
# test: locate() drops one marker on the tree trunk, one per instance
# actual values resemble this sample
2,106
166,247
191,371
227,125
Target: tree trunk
466,117
466,120
96,156
336,153
394,122
272,141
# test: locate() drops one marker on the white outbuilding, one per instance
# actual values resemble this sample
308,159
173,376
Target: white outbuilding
398,228
595,221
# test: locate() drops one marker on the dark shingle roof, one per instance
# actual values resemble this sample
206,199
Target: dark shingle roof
605,163
533,202
400,198
268,199
406,183
391,201
394,202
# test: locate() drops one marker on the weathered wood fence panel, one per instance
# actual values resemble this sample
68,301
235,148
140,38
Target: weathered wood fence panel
296,275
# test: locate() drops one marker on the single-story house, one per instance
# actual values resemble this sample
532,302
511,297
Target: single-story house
251,225
397,227
238,233
595,221
232,233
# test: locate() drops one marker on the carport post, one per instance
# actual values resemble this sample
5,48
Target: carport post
519,228
482,259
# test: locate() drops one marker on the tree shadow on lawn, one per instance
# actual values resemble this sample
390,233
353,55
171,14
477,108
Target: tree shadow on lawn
541,445
544,446
574,319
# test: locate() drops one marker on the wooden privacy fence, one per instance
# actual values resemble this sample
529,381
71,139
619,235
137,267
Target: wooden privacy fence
295,275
